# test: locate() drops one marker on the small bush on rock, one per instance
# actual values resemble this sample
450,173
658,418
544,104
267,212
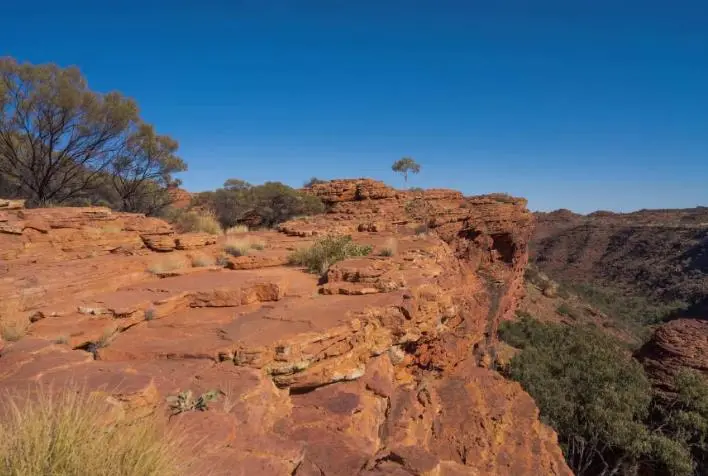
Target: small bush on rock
327,251
185,401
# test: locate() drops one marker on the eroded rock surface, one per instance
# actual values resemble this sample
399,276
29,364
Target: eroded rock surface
377,367
678,344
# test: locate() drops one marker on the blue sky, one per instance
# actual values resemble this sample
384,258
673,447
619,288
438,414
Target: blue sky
577,104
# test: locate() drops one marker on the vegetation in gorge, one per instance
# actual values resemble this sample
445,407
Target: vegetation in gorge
596,396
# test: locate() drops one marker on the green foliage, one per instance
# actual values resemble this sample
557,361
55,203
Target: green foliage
405,166
60,142
587,387
628,307
327,251
598,399
682,419
258,205
565,309
185,401
142,174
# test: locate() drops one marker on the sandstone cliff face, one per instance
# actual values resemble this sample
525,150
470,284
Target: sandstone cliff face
377,368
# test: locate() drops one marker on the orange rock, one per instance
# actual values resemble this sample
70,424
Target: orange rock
190,241
370,369
678,344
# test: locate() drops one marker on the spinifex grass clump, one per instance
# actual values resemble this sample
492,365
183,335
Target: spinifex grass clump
71,434
326,251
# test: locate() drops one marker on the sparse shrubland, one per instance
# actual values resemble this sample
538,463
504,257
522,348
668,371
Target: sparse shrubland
240,203
326,251
70,434
597,397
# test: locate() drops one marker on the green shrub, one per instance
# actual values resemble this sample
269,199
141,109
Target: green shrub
186,402
565,309
597,398
68,434
682,416
327,251
266,205
631,309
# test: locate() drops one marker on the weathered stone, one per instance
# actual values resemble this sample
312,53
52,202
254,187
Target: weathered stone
366,370
191,241
159,242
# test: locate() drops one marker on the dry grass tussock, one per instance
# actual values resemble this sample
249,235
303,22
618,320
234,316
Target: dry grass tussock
195,221
200,260
12,331
67,434
168,263
390,248
13,326
242,246
235,230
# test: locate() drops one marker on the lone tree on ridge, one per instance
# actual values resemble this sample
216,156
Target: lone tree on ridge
404,166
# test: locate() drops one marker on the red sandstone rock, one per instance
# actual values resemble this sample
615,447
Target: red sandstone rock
159,242
191,241
367,371
678,344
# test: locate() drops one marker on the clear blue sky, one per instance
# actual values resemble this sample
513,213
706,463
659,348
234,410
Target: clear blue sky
578,104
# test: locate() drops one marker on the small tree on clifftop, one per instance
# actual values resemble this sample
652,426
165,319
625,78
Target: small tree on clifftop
404,166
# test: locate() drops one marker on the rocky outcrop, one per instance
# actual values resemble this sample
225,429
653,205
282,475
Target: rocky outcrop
678,344
376,367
